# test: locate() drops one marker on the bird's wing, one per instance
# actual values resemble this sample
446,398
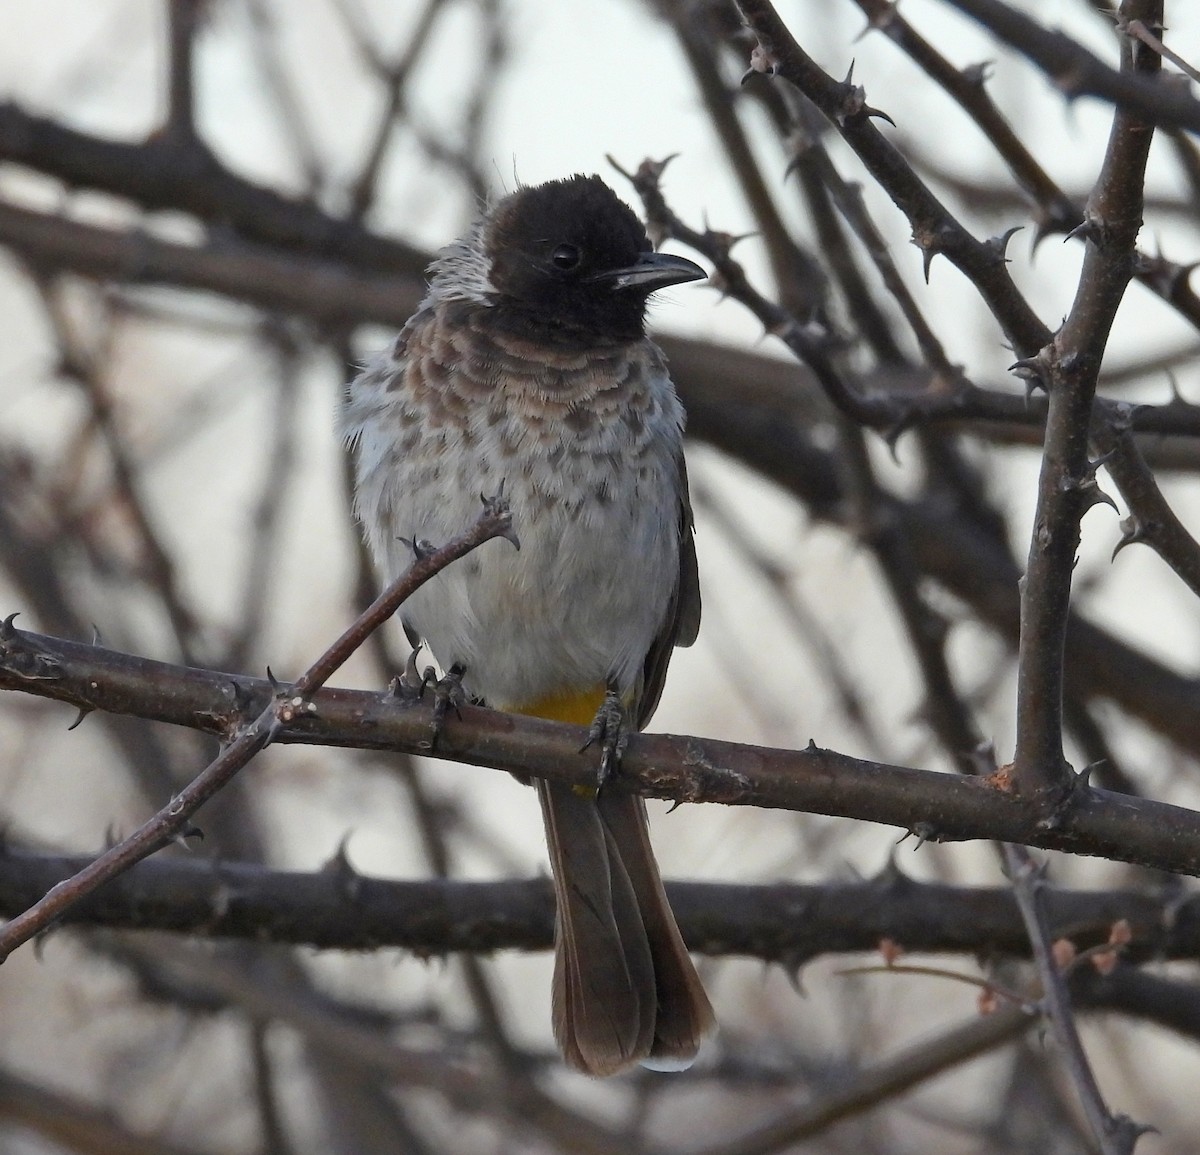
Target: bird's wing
682,622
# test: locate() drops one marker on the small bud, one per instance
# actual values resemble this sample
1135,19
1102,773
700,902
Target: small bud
1063,952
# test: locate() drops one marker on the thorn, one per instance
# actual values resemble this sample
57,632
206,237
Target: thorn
1097,496
880,19
927,256
977,74
276,685
497,505
419,547
190,831
1177,398
1043,227
1083,780
1120,418
1128,1132
612,160
84,711
1165,276
890,877
1033,371
241,695
726,241
854,101
1132,532
1092,466
1088,229
892,434
346,877
7,630
657,167
793,966
999,245
96,639
923,832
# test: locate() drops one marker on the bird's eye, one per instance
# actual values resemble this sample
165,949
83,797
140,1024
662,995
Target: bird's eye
566,257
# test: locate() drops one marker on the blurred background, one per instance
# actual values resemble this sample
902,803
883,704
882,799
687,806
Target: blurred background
210,211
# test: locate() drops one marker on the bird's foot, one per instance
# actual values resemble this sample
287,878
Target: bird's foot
448,694
608,730
411,685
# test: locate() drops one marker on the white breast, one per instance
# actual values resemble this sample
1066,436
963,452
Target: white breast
596,506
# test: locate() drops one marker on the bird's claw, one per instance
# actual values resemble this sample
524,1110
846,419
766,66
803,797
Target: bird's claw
410,686
448,694
608,730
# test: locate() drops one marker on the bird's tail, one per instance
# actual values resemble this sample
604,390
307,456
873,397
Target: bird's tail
625,990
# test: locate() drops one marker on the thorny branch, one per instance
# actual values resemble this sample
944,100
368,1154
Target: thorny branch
939,540
932,805
288,703
1068,369
1115,1134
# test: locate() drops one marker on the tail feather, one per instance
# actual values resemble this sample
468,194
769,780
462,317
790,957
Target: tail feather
684,1014
625,990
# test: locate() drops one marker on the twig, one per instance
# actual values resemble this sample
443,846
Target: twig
1056,211
935,229
880,1083
470,1088
166,172
1115,1134
395,78
1151,519
686,769
1077,72
336,907
286,705
182,26
1068,369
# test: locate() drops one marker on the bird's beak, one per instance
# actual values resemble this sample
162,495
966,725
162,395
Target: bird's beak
652,271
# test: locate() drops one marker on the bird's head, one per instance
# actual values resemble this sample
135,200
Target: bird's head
569,257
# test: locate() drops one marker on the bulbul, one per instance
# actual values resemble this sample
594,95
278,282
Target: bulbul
527,371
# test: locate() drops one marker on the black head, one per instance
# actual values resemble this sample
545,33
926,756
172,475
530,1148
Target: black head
569,260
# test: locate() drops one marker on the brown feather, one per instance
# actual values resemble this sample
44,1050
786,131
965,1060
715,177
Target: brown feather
604,971
683,1014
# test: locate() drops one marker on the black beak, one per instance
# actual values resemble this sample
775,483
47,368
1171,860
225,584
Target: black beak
652,271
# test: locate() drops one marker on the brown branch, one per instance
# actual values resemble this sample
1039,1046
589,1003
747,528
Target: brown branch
326,291
1076,72
891,1077
338,908
69,1122
686,769
169,172
1056,212
183,23
285,705
1116,1135
1068,369
935,230
465,1083
1151,519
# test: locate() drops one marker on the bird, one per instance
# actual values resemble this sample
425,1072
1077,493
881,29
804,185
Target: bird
527,371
